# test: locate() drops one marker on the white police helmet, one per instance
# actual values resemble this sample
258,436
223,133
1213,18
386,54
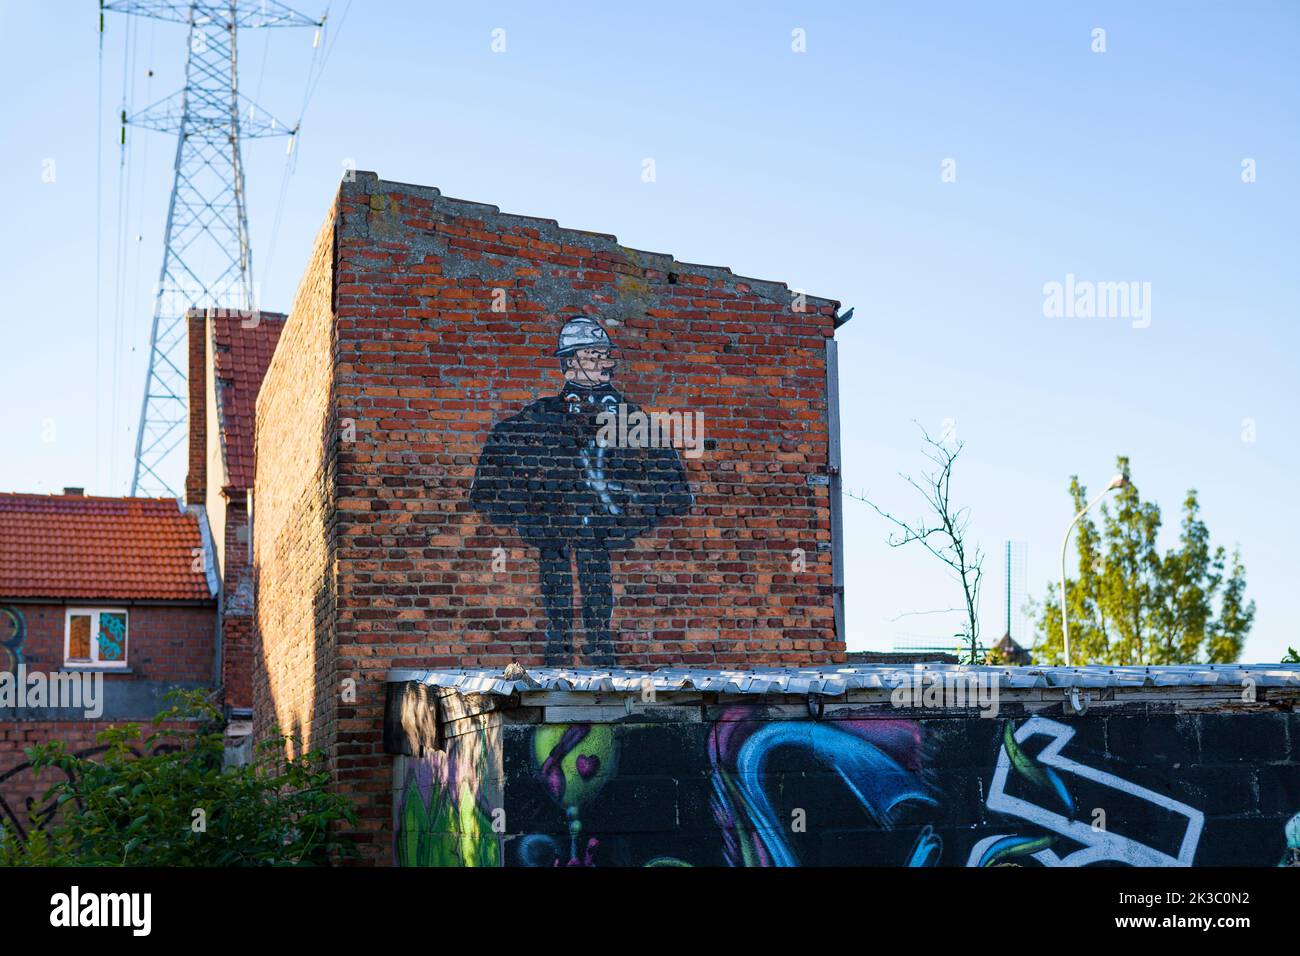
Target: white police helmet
582,332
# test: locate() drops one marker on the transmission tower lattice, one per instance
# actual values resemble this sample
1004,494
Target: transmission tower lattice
207,261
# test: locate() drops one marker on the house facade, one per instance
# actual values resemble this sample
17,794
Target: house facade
106,604
229,353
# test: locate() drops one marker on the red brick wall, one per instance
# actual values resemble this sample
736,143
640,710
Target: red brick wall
226,511
295,687
22,788
369,555
238,608
426,367
196,478
164,642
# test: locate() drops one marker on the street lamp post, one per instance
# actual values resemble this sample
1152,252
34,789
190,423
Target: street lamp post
1119,481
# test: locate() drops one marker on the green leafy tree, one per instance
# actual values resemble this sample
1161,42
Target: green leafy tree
1132,605
171,802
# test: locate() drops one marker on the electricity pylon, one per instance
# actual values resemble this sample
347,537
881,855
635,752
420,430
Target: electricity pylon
207,261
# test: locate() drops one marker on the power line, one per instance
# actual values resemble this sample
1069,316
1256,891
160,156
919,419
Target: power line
143,177
99,225
120,229
291,156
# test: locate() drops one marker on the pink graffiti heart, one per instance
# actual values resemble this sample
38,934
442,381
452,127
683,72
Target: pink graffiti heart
588,765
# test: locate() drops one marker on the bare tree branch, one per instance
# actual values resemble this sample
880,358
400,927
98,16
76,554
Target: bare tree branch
944,533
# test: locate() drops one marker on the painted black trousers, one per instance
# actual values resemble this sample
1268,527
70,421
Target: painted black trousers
597,590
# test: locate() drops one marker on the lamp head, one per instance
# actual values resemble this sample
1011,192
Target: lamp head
1119,481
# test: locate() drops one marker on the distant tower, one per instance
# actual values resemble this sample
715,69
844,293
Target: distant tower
1011,644
206,255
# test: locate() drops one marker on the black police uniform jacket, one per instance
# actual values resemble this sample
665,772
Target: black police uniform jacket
543,473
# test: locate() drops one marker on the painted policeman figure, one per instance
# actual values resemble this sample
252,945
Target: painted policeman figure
544,473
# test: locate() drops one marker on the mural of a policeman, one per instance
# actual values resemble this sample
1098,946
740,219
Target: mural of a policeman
544,473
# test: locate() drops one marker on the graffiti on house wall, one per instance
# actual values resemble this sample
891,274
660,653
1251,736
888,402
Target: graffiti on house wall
32,806
448,809
550,473
13,632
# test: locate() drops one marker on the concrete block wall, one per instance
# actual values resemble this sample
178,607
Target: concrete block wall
747,787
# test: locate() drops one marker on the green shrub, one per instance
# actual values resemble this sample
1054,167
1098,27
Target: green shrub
175,804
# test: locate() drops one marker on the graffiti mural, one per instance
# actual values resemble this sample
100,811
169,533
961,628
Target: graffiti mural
1052,810
448,806
872,789
13,632
573,764
551,475
879,761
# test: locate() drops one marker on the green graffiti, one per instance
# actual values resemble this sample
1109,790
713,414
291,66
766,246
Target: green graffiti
1044,777
575,760
455,826
447,831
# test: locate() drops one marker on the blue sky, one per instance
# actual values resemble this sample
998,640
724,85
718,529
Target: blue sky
821,169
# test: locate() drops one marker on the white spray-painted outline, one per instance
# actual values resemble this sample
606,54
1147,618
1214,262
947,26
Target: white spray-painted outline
1098,845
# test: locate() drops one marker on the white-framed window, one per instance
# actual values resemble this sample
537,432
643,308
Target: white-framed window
95,637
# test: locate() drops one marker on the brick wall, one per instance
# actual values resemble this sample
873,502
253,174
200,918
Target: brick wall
196,477
22,789
444,322
237,617
167,646
222,493
294,684
164,642
426,367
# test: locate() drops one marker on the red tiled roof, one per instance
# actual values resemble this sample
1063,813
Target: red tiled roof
71,546
241,353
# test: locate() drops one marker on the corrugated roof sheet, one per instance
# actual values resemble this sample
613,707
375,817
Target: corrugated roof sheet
71,546
831,680
242,351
